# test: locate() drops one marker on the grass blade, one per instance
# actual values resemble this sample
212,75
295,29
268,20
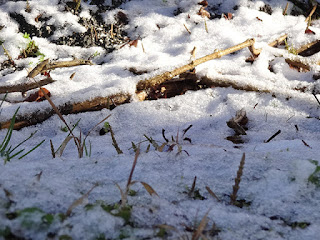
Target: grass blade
32,149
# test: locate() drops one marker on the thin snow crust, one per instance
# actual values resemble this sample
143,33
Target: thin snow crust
279,201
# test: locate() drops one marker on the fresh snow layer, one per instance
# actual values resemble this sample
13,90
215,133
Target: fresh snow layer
275,177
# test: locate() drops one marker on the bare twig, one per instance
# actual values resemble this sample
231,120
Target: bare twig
315,96
273,136
7,53
67,108
187,29
311,13
278,40
26,86
286,9
72,63
145,84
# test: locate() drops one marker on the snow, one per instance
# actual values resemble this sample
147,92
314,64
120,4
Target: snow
274,184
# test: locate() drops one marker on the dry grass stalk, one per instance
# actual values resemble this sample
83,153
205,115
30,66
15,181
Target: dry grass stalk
212,193
124,194
187,29
237,181
204,221
308,19
79,201
193,186
114,141
285,9
7,53
145,84
52,149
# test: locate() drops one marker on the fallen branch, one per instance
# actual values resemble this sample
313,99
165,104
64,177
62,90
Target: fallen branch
209,82
309,49
60,64
46,65
68,108
145,84
26,86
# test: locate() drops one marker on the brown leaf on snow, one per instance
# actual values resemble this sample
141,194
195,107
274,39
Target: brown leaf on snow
309,31
239,122
133,43
38,96
203,3
228,16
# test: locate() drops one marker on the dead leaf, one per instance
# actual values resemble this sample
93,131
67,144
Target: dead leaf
38,96
308,31
203,3
133,43
149,189
228,16
203,13
238,122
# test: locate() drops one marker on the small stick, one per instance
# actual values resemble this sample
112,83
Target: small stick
212,193
52,149
286,9
111,31
273,136
7,53
187,29
306,144
315,96
72,63
278,41
145,84
193,186
25,87
307,46
311,13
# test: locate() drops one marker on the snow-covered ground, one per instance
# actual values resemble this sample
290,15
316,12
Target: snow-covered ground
279,190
